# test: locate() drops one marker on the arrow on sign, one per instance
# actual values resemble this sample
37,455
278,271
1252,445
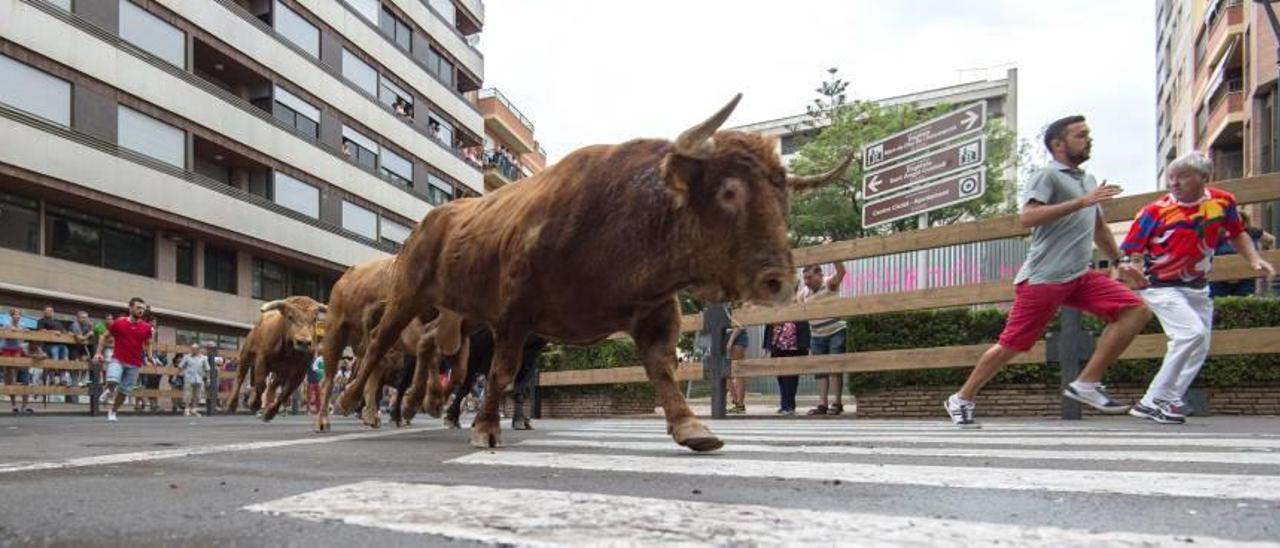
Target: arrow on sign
970,118
874,183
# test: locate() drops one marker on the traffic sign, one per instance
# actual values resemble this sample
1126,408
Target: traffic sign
940,193
966,120
960,155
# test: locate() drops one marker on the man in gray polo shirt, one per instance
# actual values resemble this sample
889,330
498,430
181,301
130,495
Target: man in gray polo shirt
1061,207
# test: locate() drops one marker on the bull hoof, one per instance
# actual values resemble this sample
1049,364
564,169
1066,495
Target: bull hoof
485,440
344,406
374,421
435,407
695,436
266,417
322,424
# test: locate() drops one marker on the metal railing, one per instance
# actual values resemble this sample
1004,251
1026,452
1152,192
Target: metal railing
493,92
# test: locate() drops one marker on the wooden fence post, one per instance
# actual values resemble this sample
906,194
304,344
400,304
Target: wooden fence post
715,366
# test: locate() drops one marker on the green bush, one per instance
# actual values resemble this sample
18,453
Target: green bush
609,354
951,327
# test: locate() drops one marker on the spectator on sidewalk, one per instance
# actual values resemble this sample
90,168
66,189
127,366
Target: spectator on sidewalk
828,335
784,340
736,345
1243,288
176,382
86,340
15,348
1175,237
54,351
314,376
195,367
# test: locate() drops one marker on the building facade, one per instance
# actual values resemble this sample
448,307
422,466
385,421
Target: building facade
511,152
209,156
1216,89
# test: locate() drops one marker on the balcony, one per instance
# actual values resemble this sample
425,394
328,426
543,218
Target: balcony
505,122
500,169
1224,21
1222,121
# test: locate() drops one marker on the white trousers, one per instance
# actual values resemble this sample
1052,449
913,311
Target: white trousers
1186,314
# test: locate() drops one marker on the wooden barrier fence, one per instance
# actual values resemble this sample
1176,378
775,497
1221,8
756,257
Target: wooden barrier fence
716,368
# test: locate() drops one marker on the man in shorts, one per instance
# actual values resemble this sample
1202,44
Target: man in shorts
134,348
15,348
1061,207
194,369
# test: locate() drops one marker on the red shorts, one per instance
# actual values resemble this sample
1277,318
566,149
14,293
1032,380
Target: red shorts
11,352
1035,305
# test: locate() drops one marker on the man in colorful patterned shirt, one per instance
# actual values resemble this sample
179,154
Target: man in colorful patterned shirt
1176,237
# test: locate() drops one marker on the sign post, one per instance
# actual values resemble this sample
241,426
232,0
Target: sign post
937,194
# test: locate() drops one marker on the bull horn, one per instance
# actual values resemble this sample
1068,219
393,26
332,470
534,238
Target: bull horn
693,141
273,305
806,182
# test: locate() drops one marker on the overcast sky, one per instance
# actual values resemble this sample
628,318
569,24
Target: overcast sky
592,71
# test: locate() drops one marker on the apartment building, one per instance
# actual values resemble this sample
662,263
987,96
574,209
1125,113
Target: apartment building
511,152
211,155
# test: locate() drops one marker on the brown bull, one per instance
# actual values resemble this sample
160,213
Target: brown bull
600,243
280,345
358,293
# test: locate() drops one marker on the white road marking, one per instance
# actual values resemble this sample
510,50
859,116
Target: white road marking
951,431
1221,486
534,517
140,456
964,438
1252,457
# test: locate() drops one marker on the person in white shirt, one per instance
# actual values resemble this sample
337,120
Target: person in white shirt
194,368
829,335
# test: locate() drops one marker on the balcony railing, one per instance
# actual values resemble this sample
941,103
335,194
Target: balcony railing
505,164
493,92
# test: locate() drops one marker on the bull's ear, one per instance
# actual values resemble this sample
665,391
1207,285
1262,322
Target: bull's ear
681,172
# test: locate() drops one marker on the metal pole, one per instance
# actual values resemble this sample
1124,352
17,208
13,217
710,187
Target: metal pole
922,270
95,385
715,367
1071,347
211,389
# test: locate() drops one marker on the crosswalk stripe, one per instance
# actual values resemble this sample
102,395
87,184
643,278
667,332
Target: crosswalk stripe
950,431
1221,486
962,438
1031,454
535,517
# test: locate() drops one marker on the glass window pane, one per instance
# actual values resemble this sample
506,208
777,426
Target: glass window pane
74,240
268,280
366,8
298,105
359,72
404,35
359,138
152,34
64,4
396,164
297,195
308,128
394,232
186,259
292,26
146,135
129,251
220,269
305,283
20,218
446,72
447,11
389,92
359,220
29,89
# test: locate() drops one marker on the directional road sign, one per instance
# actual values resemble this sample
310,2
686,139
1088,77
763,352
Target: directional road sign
949,190
969,119
961,155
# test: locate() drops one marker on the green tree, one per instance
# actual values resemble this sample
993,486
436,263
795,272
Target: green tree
834,212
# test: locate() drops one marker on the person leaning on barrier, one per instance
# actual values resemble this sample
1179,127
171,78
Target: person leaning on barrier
1061,206
15,348
1175,238
829,335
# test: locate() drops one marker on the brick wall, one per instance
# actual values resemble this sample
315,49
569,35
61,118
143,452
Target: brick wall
1029,400
596,405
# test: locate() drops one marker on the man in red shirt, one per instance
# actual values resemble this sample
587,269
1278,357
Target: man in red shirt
133,349
1176,236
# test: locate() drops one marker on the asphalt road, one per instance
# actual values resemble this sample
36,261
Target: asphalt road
234,481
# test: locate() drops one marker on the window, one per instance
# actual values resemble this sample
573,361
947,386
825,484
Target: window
146,135
64,4
29,89
20,218
298,114
395,97
359,220
396,30
447,11
297,195
441,67
185,256
366,8
296,29
438,191
90,240
269,281
396,169
128,249
359,72
441,130
393,232
360,149
305,283
220,270
152,34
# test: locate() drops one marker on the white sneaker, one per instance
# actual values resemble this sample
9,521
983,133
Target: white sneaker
111,416
1096,398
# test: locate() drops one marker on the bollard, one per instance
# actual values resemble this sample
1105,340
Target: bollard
211,389
1070,347
715,366
95,386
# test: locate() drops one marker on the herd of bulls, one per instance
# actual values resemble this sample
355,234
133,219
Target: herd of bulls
596,244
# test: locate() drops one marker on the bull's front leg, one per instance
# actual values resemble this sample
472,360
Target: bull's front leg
332,351
263,388
486,432
371,414
425,378
656,334
286,390
397,315
242,371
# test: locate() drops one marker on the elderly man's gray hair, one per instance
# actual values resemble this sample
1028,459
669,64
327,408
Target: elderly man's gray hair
1198,162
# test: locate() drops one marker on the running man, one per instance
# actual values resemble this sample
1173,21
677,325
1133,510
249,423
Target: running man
131,337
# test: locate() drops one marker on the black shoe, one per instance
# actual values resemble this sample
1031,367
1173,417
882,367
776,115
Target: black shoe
1154,414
